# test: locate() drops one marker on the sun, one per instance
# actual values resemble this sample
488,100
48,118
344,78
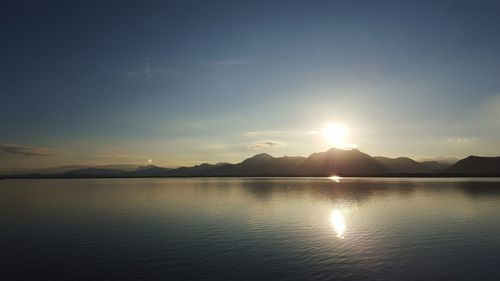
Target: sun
335,134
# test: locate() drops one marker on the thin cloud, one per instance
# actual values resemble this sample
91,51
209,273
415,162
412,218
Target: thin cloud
460,140
265,144
263,133
279,133
228,62
24,150
115,156
192,124
148,71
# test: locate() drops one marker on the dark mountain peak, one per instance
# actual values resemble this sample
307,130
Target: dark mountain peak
401,158
476,165
404,158
291,157
403,165
261,164
262,155
436,165
338,152
340,161
202,165
471,157
259,157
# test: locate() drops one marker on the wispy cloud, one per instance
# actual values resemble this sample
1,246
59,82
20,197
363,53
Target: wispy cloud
279,133
24,150
116,156
264,133
148,71
228,62
265,144
191,124
460,140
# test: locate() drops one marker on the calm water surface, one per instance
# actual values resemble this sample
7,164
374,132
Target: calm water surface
251,229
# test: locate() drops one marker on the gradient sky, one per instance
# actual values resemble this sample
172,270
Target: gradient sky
185,82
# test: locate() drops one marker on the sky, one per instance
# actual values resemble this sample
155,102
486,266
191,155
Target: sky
187,82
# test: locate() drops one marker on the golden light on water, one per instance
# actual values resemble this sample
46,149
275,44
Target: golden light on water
338,222
335,178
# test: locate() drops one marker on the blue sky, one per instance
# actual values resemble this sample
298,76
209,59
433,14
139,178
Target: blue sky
185,82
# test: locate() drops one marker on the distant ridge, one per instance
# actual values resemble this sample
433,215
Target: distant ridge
475,165
405,165
331,162
95,171
435,165
261,164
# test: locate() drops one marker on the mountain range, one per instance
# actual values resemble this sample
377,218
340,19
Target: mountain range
331,162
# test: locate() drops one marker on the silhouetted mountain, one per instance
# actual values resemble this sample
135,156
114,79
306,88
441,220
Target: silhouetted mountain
404,165
48,171
338,161
261,165
123,167
475,165
197,170
88,172
435,165
331,162
149,171
69,168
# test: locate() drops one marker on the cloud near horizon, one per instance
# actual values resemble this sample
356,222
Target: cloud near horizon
460,140
117,156
24,150
279,133
228,62
265,144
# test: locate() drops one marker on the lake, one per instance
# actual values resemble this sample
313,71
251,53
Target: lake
250,229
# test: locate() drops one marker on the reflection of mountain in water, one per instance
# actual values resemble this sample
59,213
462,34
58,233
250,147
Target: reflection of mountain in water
353,190
360,190
480,189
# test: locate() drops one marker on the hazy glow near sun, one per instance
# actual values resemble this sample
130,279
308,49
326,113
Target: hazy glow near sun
335,134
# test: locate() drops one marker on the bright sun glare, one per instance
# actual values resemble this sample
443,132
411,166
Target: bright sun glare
335,134
338,222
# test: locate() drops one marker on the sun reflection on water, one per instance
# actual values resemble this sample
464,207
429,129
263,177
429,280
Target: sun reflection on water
335,178
338,222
